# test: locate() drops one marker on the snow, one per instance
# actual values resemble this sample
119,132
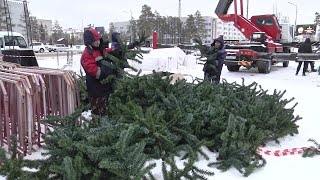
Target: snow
305,89
161,59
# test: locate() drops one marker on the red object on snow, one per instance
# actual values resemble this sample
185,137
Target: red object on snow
155,40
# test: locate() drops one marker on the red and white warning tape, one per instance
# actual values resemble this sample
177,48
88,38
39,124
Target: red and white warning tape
284,152
16,56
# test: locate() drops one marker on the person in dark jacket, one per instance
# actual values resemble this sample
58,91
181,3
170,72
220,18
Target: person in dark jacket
91,61
304,48
115,44
116,47
213,67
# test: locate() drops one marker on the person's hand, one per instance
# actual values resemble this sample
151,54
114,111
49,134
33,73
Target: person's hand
136,43
215,63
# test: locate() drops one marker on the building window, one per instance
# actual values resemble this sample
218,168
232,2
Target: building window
121,27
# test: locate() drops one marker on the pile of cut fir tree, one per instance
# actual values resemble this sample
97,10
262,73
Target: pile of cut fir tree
152,119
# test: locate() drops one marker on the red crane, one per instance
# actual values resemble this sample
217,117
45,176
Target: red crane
264,33
260,28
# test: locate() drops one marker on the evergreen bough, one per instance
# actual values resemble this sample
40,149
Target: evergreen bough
150,118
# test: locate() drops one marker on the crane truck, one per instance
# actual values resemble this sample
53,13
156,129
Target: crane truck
269,42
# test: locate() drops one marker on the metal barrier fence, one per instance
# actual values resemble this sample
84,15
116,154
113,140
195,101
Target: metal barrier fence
28,95
68,54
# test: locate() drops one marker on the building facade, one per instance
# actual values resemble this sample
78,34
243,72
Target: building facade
16,10
47,25
17,15
122,27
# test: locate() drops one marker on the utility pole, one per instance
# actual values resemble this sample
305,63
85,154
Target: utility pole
179,9
179,25
247,9
295,21
131,28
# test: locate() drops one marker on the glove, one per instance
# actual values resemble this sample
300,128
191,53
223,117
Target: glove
215,63
125,64
136,43
212,58
105,72
205,67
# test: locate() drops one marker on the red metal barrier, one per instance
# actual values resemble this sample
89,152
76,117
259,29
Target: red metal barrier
28,95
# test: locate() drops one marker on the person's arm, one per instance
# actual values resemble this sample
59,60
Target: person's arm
300,48
133,45
89,64
108,50
310,49
221,57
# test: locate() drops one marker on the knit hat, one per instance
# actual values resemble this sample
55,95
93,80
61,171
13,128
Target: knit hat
90,35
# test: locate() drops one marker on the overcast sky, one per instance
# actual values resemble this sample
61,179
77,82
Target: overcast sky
79,13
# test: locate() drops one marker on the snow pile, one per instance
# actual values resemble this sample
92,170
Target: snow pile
166,59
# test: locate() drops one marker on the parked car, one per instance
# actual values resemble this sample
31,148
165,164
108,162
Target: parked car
38,47
58,48
47,46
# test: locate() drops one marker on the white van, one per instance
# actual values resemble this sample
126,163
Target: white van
12,40
14,48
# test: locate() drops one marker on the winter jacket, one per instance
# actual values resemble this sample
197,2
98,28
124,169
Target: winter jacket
91,61
305,47
221,52
116,47
216,57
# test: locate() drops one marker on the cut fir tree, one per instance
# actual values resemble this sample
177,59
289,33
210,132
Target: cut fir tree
150,118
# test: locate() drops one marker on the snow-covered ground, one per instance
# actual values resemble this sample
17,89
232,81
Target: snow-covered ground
305,89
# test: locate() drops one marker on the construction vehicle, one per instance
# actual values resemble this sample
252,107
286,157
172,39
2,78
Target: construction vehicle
269,43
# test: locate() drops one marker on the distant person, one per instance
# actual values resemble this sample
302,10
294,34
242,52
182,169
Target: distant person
213,67
304,48
115,44
116,47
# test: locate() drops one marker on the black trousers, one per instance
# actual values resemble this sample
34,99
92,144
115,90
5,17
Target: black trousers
212,75
305,67
99,105
312,65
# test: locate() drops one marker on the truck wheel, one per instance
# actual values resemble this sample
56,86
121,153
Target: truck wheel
233,68
285,64
264,67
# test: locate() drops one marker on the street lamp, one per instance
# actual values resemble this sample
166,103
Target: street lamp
295,22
